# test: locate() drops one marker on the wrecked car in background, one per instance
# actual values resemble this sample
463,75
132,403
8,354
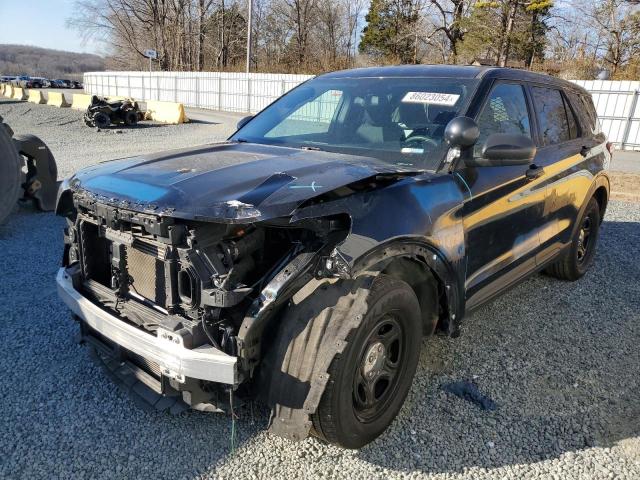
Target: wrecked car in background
302,261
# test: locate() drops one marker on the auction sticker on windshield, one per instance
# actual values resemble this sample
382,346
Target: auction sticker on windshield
431,98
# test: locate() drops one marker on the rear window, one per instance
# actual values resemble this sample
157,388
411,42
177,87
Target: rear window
583,105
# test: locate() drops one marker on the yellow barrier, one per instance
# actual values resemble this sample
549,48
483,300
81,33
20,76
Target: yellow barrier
166,112
57,99
80,101
8,91
2,87
35,96
18,93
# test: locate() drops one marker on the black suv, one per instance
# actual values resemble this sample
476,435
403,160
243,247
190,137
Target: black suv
301,261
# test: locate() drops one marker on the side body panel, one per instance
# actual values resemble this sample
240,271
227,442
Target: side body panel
503,217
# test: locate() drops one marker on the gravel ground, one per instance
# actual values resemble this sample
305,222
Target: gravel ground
560,359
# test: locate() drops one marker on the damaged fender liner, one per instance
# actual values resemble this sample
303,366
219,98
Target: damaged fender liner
313,331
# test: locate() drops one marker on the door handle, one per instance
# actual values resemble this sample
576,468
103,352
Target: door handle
534,172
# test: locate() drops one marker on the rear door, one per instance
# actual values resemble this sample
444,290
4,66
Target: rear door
565,151
504,210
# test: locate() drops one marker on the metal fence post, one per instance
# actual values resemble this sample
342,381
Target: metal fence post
197,91
175,88
248,94
627,127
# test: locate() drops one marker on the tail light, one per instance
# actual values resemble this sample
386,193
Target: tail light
610,147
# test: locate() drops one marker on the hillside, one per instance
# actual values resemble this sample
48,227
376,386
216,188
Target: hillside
45,62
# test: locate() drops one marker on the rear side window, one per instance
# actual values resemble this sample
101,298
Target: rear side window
583,106
552,116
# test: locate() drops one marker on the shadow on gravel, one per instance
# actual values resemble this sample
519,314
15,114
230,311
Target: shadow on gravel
560,359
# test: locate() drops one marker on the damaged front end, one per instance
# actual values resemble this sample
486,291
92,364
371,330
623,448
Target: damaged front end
182,305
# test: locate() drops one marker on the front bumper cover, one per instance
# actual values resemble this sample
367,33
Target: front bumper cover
176,361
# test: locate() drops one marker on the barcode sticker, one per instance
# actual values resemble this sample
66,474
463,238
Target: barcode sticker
431,98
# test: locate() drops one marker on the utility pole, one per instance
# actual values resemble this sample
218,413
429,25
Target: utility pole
249,35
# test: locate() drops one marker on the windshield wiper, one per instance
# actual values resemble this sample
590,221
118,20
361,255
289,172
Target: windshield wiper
307,147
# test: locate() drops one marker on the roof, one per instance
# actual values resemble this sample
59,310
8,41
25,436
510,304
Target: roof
440,71
452,71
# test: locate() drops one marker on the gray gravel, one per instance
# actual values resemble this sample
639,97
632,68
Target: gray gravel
560,359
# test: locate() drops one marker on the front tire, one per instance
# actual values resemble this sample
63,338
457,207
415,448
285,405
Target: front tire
579,258
101,120
370,380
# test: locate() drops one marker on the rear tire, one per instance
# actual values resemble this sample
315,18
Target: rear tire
370,379
10,172
131,118
575,263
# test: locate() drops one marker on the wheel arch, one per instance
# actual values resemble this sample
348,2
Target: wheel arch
599,190
423,266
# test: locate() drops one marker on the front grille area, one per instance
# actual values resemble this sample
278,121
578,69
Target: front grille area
96,254
152,368
146,273
144,263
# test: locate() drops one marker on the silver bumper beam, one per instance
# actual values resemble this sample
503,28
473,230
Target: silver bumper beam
204,363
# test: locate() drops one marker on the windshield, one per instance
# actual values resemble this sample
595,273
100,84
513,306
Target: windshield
399,121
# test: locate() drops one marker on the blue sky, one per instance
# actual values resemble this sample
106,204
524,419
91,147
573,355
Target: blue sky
40,23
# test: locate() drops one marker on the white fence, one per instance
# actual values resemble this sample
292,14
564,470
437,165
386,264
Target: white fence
616,102
618,108
232,92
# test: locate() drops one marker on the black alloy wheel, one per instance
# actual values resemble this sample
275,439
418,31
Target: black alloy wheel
581,253
584,239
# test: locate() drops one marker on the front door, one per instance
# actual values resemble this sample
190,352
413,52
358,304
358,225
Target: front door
504,209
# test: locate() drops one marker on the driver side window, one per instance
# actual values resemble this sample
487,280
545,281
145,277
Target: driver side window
504,112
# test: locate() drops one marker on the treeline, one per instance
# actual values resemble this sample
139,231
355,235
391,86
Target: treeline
44,62
576,39
303,36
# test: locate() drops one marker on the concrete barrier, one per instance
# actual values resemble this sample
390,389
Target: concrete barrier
8,91
35,96
80,101
166,112
19,93
57,99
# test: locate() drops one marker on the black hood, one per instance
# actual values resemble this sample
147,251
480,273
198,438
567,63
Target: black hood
225,182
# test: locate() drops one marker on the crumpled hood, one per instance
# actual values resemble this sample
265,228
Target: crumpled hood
230,182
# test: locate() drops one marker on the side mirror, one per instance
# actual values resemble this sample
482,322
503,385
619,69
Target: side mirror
461,132
243,122
503,149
